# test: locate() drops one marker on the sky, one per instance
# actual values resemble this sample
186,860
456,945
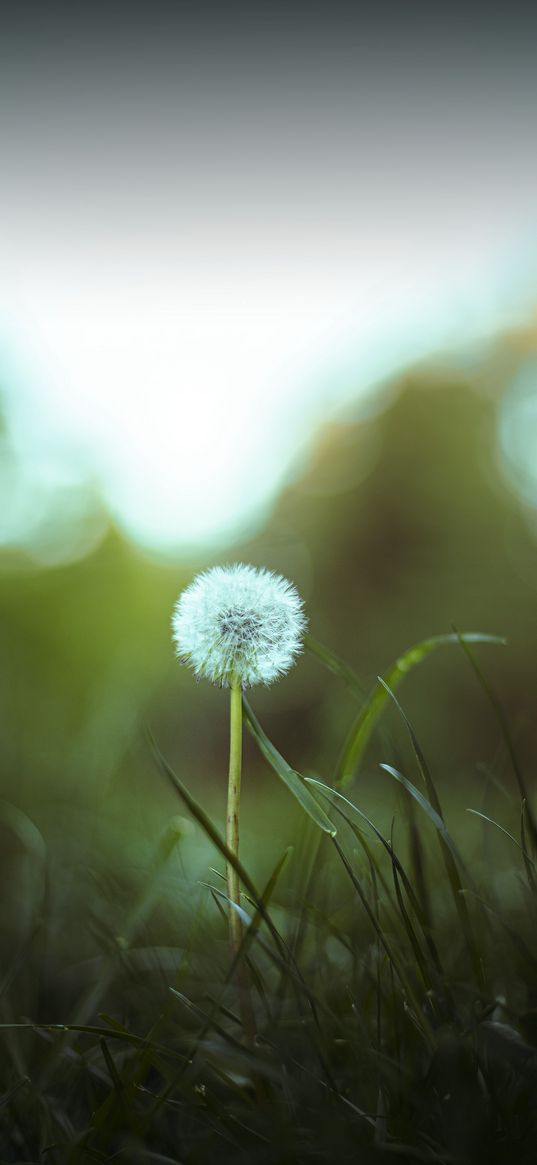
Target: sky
221,223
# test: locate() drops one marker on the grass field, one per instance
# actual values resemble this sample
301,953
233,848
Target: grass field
391,972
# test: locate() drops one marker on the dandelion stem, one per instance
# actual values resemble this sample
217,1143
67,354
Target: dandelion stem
232,878
233,806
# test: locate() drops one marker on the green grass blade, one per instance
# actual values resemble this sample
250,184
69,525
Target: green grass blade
505,730
484,817
206,824
377,877
295,783
411,933
119,1089
418,753
517,940
389,950
201,817
210,1022
432,814
335,664
453,864
528,862
335,795
268,891
399,872
93,1030
369,713
374,867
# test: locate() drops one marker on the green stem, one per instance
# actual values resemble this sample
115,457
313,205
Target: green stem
233,807
232,878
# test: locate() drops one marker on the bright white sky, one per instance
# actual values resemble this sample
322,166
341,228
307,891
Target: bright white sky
181,305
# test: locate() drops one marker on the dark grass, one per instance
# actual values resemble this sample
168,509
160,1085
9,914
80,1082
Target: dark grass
392,973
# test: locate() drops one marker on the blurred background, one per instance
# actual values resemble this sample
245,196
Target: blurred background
268,295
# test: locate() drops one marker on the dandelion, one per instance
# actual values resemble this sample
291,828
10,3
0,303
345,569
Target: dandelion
238,626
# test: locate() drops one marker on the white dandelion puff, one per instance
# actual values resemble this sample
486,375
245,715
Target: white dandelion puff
239,625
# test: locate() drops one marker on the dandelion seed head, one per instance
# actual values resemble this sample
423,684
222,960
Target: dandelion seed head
239,624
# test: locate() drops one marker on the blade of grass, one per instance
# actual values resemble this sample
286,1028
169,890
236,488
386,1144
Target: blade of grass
518,942
332,794
311,869
477,813
295,783
418,753
304,1069
452,865
399,872
247,1055
231,858
118,1085
393,959
282,958
246,939
335,664
411,933
374,867
417,859
206,824
505,730
425,805
452,862
364,723
93,1030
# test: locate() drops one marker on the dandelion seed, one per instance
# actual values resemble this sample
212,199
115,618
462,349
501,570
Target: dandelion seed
239,625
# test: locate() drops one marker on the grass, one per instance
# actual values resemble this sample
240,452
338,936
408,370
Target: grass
392,974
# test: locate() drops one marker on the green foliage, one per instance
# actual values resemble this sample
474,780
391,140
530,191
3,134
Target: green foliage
370,711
